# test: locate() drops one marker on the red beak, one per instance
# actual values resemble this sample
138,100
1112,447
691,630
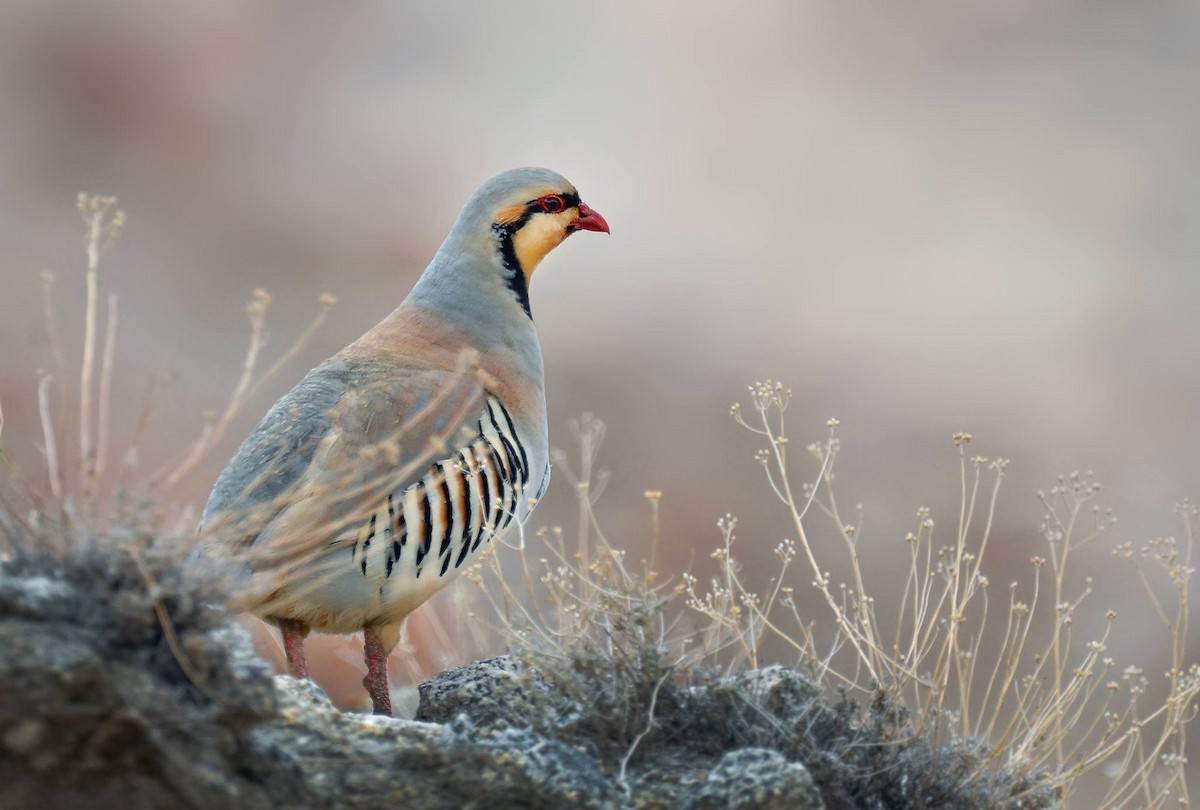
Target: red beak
589,220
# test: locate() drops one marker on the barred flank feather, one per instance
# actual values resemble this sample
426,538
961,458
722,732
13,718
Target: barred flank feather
458,506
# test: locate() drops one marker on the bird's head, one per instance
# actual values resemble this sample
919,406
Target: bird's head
528,212
532,212
512,221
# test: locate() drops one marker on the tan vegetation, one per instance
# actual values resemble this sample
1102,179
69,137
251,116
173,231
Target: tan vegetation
1008,678
1004,675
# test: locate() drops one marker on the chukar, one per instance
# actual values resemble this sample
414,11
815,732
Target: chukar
378,478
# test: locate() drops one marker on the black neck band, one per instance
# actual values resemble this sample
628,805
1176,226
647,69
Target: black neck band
505,231
516,275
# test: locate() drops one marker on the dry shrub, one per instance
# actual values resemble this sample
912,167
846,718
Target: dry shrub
81,484
1002,695
609,658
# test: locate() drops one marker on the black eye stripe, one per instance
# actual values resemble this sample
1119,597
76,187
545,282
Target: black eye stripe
569,200
534,206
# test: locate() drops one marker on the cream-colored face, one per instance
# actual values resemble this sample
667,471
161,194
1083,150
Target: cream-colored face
540,235
541,231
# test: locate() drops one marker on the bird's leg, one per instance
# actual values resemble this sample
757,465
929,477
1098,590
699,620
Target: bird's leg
376,680
294,632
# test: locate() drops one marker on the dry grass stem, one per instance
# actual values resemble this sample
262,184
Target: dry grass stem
103,223
168,627
246,388
48,438
624,770
104,421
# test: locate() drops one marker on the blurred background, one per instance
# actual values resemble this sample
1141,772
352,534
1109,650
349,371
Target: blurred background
923,219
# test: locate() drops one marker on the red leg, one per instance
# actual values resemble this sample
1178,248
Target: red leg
376,680
293,646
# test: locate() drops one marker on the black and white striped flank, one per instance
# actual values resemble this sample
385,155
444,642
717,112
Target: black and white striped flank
460,504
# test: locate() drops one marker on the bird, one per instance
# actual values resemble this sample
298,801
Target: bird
390,466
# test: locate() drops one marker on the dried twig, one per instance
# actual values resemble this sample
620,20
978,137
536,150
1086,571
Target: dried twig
325,303
48,434
654,496
622,776
168,627
106,372
244,391
103,222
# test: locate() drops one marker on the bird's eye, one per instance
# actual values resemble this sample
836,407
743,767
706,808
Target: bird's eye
552,203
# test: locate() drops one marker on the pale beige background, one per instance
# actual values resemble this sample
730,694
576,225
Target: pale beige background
923,217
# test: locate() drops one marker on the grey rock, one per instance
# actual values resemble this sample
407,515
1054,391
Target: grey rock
123,692
493,693
32,596
755,779
350,760
95,710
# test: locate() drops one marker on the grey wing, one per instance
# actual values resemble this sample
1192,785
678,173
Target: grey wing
347,432
276,454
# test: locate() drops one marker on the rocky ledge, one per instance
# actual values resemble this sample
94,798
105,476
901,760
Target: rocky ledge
122,685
